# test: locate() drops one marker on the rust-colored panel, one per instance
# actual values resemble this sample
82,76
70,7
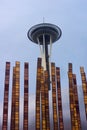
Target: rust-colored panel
60,113
26,84
17,94
55,115
71,96
6,95
43,111
46,84
76,105
84,87
38,87
12,126
74,102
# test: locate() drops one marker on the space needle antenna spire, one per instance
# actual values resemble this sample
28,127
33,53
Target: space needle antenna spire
45,34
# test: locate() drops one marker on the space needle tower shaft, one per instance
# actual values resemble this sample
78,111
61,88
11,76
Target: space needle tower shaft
45,35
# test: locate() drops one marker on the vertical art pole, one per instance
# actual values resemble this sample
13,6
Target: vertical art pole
76,107
84,87
60,113
46,84
43,112
17,94
55,115
12,126
38,87
26,84
6,95
71,96
74,102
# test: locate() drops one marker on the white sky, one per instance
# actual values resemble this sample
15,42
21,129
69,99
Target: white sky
17,17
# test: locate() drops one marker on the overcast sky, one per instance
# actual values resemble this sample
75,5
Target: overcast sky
17,17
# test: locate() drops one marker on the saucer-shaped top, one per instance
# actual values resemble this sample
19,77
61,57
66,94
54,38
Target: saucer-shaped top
46,29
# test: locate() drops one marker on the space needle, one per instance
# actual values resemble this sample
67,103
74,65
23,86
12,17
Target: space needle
44,35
